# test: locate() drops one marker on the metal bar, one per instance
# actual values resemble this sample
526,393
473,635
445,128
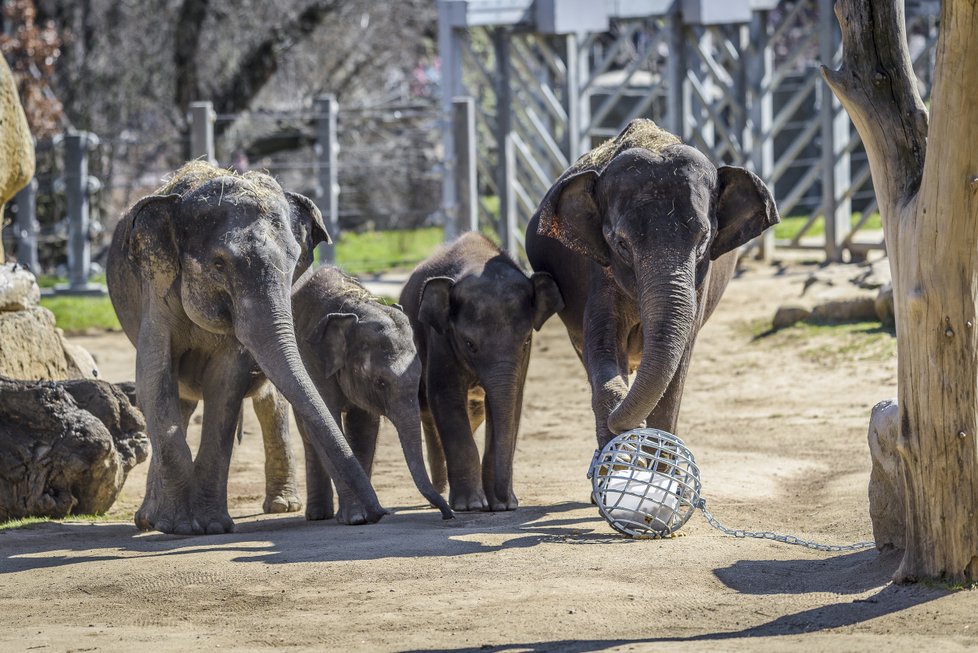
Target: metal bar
327,186
796,193
501,38
578,99
76,181
507,235
792,152
202,119
835,134
791,106
602,66
676,73
527,156
466,186
759,131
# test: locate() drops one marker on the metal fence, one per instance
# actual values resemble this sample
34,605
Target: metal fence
738,79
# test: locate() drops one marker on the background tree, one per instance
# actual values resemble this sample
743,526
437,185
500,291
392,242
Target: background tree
926,179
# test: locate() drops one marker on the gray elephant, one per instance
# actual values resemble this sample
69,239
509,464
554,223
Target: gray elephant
361,356
473,311
200,275
641,236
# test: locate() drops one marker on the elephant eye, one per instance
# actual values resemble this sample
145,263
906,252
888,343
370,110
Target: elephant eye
471,346
380,383
218,264
623,248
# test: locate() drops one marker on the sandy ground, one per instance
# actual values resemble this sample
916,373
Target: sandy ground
778,425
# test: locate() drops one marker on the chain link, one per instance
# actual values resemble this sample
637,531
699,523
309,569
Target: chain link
786,539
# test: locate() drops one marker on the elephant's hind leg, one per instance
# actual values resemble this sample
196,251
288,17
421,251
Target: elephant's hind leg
281,488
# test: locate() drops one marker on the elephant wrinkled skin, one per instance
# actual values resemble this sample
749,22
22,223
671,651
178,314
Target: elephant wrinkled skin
473,311
641,236
361,355
200,275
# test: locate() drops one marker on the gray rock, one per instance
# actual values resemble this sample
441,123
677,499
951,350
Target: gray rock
884,305
788,314
65,447
846,309
30,347
18,289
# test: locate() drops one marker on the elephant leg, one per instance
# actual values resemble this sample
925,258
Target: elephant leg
166,505
361,429
319,486
448,397
281,487
436,454
226,381
605,360
665,415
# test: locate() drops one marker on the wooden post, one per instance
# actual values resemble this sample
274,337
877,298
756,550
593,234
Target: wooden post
465,215
328,186
927,185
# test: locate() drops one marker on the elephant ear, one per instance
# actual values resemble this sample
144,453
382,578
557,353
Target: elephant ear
152,243
308,226
436,303
331,338
745,208
570,214
546,298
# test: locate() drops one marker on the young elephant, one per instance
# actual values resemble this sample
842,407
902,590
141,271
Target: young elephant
473,311
641,235
200,275
362,358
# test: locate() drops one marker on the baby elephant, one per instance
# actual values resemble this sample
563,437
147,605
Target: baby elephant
473,311
361,357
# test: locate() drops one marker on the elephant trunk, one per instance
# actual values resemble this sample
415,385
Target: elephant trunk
667,306
409,433
504,402
268,334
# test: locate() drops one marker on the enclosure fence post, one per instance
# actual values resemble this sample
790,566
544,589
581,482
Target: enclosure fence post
760,69
501,42
26,227
835,137
202,119
466,188
76,194
508,237
328,187
676,74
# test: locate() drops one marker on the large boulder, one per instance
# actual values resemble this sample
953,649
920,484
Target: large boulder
65,447
16,142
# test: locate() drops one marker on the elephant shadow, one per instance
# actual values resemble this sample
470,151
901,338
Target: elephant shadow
410,532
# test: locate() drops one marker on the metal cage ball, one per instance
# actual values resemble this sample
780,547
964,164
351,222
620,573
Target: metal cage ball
645,483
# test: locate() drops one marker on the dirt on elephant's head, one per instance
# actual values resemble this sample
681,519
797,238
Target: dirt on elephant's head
252,185
639,133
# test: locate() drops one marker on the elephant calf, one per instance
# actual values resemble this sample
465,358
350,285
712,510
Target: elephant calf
473,310
361,356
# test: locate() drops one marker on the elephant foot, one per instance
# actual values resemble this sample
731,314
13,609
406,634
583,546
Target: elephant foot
214,520
317,510
497,505
172,517
354,513
466,501
282,501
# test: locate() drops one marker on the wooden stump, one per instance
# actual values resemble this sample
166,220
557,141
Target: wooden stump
66,447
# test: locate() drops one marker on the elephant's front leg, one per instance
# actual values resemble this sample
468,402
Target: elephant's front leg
319,486
166,505
226,380
361,429
281,487
606,360
448,399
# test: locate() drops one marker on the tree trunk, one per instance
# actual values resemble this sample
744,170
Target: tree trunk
927,185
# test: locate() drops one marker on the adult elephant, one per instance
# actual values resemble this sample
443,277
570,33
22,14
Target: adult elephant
641,236
200,275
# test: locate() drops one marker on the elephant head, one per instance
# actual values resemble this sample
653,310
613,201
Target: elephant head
655,218
224,250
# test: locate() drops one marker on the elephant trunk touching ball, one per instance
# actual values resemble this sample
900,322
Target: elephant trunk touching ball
200,275
641,236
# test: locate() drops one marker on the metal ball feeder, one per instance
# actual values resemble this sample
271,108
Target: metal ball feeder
645,483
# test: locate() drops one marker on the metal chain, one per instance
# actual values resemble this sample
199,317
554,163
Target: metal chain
786,539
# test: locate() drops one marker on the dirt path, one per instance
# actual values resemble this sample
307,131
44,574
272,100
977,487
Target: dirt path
778,425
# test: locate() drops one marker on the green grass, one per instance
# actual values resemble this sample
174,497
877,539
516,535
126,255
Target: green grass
372,252
77,314
827,343
27,522
789,227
